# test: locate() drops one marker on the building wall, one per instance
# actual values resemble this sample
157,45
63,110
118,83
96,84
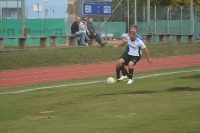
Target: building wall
9,8
51,9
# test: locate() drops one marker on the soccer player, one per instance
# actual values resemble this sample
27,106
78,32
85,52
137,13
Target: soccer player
132,56
123,69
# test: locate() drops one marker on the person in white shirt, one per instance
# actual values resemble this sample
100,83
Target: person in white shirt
83,28
131,57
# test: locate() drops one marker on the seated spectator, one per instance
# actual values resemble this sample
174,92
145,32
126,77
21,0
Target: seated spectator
93,33
83,27
75,31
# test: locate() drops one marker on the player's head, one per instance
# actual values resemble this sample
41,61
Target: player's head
78,19
132,35
91,20
133,28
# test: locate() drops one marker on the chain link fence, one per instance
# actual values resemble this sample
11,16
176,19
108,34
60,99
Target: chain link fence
163,20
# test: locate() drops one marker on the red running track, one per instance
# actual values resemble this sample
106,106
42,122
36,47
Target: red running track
27,77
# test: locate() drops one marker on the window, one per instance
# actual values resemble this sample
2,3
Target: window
19,14
7,14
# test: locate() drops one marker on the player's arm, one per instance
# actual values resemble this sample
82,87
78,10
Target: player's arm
148,55
123,42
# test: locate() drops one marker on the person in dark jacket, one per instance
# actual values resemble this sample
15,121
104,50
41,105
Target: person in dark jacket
75,31
93,33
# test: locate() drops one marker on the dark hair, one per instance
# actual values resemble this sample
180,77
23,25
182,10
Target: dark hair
134,26
84,18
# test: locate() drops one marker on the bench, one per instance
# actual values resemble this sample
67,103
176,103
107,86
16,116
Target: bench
43,41
72,40
124,35
179,37
162,37
108,35
148,37
22,42
1,43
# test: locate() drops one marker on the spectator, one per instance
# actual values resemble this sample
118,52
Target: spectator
93,33
75,31
83,28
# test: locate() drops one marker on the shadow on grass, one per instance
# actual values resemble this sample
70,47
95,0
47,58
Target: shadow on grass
192,77
127,93
173,89
183,89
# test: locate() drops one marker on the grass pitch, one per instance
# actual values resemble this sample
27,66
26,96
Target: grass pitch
37,58
163,103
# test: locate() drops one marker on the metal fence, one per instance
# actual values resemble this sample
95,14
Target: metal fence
164,19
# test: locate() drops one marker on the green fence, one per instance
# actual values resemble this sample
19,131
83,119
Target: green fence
117,28
9,27
169,27
13,28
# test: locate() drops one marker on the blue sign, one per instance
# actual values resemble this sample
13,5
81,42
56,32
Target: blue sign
97,9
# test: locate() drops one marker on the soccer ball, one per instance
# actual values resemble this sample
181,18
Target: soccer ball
110,80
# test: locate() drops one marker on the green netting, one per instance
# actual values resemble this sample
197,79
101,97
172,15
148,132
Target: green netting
13,28
169,27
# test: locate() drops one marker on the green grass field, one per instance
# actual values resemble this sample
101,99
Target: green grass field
36,58
150,105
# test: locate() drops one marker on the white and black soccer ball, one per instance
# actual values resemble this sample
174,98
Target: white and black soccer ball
110,80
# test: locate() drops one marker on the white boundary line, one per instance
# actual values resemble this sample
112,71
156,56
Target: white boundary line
58,86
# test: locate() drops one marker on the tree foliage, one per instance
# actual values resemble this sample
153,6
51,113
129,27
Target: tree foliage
175,3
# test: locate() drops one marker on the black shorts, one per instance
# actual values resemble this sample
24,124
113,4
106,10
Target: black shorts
126,57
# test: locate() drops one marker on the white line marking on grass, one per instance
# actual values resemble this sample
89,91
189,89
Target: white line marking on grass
86,83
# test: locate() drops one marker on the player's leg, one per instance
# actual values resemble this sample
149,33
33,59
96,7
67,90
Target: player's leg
124,73
123,69
118,67
124,58
130,74
133,61
124,76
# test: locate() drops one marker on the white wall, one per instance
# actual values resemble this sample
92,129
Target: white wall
56,9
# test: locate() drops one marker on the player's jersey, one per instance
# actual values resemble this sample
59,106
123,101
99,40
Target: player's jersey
138,36
135,46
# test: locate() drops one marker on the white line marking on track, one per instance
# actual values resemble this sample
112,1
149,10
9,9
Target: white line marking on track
93,82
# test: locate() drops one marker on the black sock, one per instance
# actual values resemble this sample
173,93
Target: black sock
124,71
118,72
130,76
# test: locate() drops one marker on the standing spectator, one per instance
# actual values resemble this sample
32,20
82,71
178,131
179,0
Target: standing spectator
75,31
93,33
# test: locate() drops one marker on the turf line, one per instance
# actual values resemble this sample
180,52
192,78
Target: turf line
93,82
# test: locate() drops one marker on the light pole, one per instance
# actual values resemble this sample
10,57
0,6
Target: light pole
43,15
128,13
135,12
191,17
1,18
17,10
23,16
148,16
